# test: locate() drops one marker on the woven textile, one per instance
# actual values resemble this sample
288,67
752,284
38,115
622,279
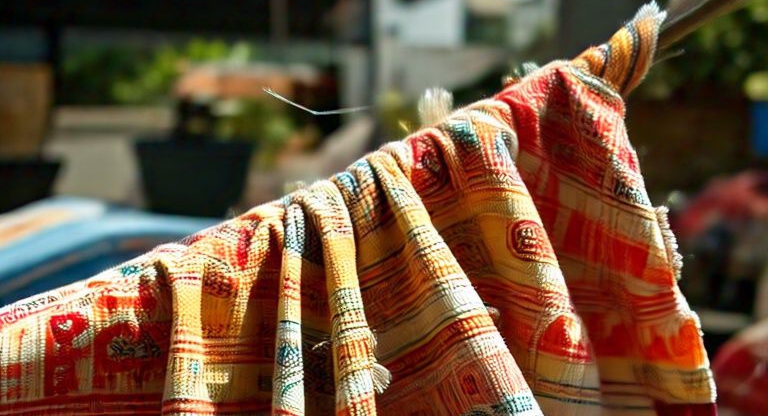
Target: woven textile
504,261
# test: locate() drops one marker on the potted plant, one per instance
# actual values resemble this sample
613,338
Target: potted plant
202,167
193,173
25,104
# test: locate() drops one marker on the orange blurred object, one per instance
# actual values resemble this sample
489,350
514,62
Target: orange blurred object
224,82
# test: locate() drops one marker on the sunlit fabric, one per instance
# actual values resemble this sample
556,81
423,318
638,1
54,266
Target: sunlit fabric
504,261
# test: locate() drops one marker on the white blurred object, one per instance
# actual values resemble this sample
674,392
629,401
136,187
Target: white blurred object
429,23
434,106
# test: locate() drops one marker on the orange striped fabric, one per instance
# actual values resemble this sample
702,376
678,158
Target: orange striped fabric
505,261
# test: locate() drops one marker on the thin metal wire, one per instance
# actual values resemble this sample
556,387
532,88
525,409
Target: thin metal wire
685,16
666,55
315,112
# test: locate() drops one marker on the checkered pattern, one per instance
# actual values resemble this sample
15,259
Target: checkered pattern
502,262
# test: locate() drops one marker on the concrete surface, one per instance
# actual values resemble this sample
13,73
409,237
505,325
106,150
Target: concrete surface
96,144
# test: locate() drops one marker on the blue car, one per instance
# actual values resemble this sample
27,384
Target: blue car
57,241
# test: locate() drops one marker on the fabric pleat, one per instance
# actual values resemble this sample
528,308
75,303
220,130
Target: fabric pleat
505,260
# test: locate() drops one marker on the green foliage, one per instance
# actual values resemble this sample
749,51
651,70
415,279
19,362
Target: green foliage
397,114
718,58
152,81
265,123
756,86
89,74
130,75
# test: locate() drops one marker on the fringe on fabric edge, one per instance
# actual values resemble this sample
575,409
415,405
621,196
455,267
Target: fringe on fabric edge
380,375
670,241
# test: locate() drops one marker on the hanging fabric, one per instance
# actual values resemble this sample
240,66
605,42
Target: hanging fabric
503,261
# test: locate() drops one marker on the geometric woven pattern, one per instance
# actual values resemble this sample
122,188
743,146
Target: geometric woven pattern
505,261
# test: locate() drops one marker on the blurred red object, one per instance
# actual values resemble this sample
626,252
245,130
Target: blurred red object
740,198
741,371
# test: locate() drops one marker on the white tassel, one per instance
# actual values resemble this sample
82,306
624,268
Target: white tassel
670,242
434,106
381,377
494,313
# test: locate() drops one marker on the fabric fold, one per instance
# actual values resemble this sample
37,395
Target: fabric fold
503,261
616,250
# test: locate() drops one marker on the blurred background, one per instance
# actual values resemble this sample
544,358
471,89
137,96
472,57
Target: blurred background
151,117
